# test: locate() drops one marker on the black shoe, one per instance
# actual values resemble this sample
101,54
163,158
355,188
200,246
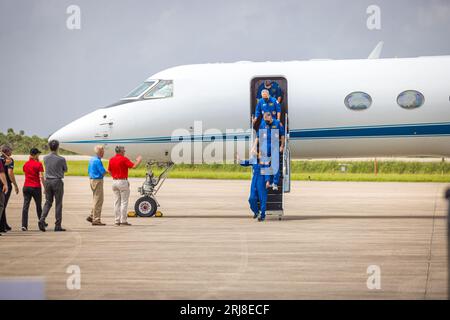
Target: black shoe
59,229
261,219
3,231
8,228
41,226
255,215
89,219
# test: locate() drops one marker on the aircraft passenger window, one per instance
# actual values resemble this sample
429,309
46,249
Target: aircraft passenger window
139,90
410,99
163,89
358,101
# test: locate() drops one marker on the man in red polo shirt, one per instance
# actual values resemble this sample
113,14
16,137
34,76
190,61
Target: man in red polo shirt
34,176
118,168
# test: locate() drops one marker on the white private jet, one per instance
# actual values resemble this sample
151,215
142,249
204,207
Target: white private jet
337,108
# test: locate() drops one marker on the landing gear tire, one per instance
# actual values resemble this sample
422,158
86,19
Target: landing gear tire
145,207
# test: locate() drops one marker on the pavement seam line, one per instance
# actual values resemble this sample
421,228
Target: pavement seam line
431,244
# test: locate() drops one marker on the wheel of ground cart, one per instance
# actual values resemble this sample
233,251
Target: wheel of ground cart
145,207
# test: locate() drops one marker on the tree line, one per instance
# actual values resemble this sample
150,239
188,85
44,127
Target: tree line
21,143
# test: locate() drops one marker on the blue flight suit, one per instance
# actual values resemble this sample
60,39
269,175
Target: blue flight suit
271,105
267,150
258,189
274,90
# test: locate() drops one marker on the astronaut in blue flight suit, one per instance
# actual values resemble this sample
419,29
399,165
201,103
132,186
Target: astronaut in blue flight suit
267,104
270,133
258,188
273,88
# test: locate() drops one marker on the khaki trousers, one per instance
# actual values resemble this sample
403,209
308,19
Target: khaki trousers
97,191
121,189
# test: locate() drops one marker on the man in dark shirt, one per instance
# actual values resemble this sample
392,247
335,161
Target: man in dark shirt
3,187
8,164
55,167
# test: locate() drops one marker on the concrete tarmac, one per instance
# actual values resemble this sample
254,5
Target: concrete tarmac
207,246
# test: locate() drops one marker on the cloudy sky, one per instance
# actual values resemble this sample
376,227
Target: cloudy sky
50,75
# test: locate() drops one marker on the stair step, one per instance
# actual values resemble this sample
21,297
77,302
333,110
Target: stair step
275,206
275,197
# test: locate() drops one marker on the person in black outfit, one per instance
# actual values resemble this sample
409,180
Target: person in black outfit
8,164
3,188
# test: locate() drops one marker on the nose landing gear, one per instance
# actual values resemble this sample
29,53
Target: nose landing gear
147,205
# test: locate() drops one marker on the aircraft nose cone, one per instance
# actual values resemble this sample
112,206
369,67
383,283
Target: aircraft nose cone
81,129
55,136
76,135
64,134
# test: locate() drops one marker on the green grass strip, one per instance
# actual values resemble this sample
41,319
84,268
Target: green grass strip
388,171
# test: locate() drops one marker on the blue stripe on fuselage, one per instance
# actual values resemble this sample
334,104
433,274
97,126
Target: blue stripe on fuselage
373,132
384,131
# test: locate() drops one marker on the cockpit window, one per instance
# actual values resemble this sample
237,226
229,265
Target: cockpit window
136,93
163,89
